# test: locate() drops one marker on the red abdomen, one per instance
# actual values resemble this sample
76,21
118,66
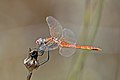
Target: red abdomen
67,45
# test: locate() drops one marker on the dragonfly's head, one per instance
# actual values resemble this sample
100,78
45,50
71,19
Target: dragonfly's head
39,41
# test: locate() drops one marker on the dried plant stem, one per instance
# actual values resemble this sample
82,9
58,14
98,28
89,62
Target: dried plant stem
29,75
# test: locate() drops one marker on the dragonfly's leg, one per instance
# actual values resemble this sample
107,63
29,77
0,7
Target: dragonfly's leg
29,75
46,60
41,52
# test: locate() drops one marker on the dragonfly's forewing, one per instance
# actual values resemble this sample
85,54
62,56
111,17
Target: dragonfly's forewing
54,27
69,37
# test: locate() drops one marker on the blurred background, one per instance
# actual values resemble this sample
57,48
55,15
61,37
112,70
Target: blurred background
23,21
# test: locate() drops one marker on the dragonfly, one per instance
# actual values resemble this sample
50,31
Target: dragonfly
61,38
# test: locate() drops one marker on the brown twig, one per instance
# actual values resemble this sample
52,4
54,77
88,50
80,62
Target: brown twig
29,75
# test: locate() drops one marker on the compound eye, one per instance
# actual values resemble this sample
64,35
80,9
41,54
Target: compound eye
37,42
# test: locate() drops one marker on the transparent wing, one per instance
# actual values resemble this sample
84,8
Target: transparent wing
52,46
54,27
69,37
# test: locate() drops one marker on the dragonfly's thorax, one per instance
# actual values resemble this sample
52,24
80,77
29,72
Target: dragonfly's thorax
45,44
42,44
